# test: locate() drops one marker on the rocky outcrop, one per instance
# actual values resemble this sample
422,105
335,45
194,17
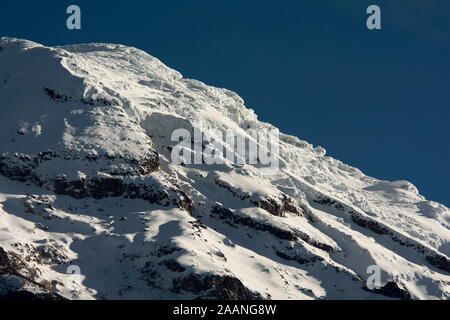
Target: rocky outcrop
329,202
21,168
214,286
61,98
283,234
185,202
24,295
230,217
25,168
297,258
173,265
394,290
433,257
278,207
13,265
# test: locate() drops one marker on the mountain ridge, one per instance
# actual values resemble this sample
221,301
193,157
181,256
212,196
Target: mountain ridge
88,156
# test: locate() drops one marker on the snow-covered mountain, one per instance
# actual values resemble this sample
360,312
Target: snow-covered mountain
93,207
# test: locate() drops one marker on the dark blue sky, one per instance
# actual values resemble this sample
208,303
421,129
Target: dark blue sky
377,100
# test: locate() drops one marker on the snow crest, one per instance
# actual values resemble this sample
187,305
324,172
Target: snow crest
87,180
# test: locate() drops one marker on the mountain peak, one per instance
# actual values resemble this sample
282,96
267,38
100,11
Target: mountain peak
89,183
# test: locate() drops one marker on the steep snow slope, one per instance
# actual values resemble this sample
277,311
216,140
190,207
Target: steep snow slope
87,184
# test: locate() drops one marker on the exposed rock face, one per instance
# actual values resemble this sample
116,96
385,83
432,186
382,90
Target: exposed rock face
174,266
185,202
284,234
13,264
435,258
25,168
4,260
299,259
218,287
20,170
31,296
278,208
394,290
227,214
107,186
14,267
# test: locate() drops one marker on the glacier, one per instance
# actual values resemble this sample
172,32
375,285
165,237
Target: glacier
87,184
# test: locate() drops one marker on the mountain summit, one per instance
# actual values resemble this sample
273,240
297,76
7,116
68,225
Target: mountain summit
93,205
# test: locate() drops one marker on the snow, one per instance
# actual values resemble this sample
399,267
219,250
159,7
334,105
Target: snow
101,111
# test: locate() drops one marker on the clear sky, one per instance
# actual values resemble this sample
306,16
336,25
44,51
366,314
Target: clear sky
377,100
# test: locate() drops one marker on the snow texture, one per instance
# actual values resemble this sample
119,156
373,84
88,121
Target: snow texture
87,180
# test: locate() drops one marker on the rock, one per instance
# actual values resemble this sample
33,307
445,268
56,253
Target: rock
185,202
4,260
393,290
283,234
278,207
55,96
30,296
173,265
51,254
226,214
217,287
271,206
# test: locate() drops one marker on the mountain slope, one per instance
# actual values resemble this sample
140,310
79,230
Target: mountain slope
88,184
